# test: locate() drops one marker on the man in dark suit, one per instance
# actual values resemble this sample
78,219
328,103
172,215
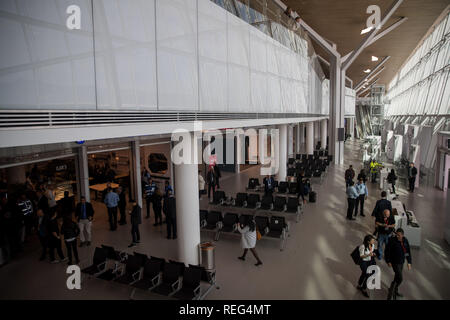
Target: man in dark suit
136,220
412,173
42,201
380,206
269,185
169,208
84,214
397,251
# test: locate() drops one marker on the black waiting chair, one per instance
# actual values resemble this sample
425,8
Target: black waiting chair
116,256
190,289
294,207
150,275
203,217
282,187
262,224
219,197
280,204
253,183
181,264
292,187
298,156
98,263
229,222
291,161
267,202
291,172
278,229
241,199
253,201
212,220
142,258
169,281
132,270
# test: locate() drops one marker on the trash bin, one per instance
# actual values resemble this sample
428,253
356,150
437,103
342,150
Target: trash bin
206,254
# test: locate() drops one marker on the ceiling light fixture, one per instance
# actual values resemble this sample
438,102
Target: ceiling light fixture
367,71
374,58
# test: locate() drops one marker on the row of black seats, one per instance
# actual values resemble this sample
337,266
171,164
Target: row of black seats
272,227
153,274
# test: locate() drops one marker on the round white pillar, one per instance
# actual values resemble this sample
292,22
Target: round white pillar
187,205
298,139
281,176
323,133
310,138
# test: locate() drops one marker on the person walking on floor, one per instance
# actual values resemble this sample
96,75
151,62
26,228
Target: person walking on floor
157,207
170,210
380,206
54,241
70,231
84,213
397,251
43,222
248,239
136,220
412,173
367,255
391,178
349,175
361,188
362,174
149,191
122,205
211,181
385,226
112,201
352,195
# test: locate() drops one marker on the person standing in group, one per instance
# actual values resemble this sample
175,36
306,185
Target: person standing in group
391,178
412,173
361,188
352,195
54,241
149,191
269,185
201,185
85,214
170,210
397,251
157,206
112,201
218,174
66,205
43,222
42,201
25,209
380,206
385,226
248,239
362,174
168,187
136,220
367,255
211,181
70,231
349,175
122,205
50,194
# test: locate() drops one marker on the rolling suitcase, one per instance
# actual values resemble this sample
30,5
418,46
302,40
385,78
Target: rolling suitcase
312,196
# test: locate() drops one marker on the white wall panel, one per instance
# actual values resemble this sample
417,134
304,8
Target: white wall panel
238,41
176,27
259,92
273,93
238,89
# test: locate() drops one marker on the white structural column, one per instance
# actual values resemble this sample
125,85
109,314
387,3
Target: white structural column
310,138
352,127
186,191
298,138
136,171
323,133
83,172
337,103
281,176
290,140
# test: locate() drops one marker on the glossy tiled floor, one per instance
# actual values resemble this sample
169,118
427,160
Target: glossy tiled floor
314,265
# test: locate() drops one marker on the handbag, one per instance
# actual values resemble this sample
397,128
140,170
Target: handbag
258,235
355,256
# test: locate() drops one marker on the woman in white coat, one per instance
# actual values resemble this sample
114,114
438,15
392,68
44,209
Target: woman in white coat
248,239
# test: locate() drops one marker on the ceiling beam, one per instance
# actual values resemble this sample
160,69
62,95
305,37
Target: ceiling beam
325,61
394,6
370,79
379,36
369,87
359,84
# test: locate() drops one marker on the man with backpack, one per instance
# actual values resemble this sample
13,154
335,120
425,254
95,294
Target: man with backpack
349,175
